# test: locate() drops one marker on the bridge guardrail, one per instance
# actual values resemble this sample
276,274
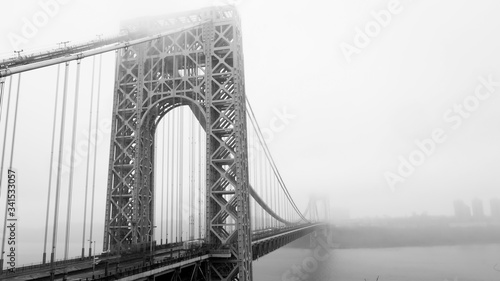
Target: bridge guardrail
39,265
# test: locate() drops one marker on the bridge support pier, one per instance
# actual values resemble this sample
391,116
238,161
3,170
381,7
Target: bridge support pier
202,68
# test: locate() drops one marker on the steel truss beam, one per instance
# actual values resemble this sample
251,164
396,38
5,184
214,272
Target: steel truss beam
202,68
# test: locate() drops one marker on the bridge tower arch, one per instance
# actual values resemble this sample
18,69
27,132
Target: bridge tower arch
201,67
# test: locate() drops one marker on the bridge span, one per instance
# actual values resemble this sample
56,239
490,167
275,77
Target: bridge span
176,261
187,159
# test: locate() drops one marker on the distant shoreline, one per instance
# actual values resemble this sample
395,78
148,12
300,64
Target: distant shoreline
394,237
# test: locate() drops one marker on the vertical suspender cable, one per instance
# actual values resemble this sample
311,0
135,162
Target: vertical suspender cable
204,160
262,183
166,135
250,174
273,202
181,175
257,186
2,84
271,197
168,176
280,205
268,198
192,188
95,153
14,124
162,178
276,208
193,172
199,183
72,161
256,178
4,143
3,158
49,189
255,221
172,191
59,167
88,159
156,169
254,171
262,190
190,213
266,186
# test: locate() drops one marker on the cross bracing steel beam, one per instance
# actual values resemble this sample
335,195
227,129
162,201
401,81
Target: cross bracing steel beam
201,67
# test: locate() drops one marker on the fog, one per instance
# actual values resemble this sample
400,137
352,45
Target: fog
386,108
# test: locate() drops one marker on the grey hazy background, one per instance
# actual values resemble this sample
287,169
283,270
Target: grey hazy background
351,120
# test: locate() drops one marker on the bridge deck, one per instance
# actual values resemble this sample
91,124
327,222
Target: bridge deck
166,259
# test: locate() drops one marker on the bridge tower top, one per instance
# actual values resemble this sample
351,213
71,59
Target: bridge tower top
153,25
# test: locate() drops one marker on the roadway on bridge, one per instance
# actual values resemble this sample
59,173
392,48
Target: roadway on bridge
174,256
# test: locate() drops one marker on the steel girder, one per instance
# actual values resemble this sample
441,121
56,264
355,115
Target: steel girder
201,67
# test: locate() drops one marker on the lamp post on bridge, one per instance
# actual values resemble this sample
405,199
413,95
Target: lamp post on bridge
151,238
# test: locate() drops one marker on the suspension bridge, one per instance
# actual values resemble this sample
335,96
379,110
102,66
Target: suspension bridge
189,186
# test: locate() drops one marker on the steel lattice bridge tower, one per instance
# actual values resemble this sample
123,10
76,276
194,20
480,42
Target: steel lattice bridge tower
192,60
202,68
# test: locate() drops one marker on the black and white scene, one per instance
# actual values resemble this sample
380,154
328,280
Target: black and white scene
250,140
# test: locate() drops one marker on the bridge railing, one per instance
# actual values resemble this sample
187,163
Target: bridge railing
272,231
34,266
128,271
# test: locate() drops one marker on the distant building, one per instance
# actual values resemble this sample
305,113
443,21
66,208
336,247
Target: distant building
477,208
495,208
462,210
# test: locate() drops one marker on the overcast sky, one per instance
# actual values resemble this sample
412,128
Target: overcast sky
359,84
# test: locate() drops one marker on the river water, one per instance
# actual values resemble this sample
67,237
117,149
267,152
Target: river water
437,263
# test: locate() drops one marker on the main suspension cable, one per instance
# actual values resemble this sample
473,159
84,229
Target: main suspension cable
256,127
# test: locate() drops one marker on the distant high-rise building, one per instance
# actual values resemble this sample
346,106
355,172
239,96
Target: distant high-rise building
462,211
495,208
477,208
